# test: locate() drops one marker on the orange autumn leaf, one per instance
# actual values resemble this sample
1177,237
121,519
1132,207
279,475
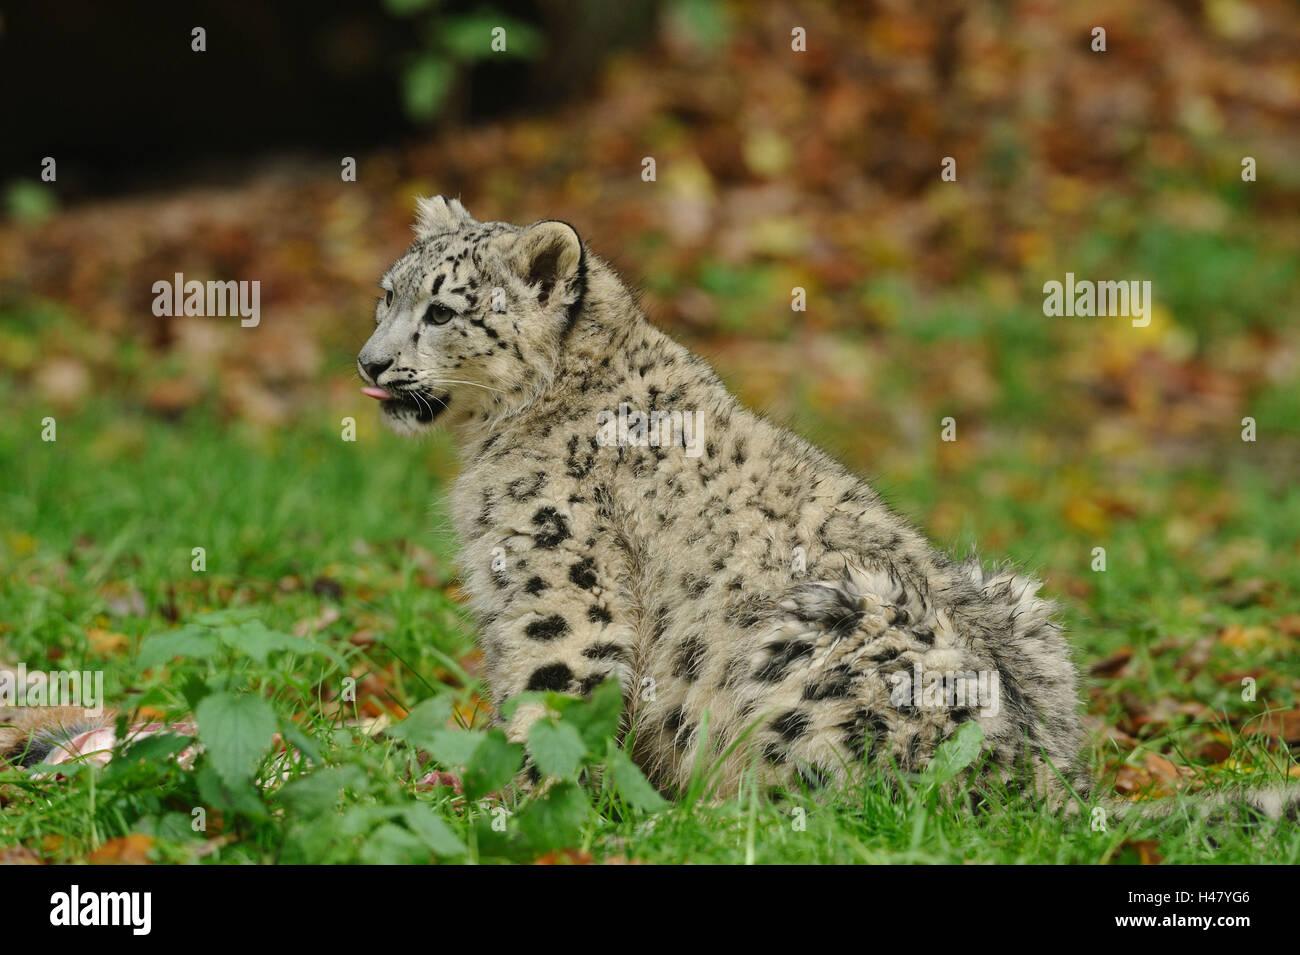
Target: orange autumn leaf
1235,635
124,850
1085,514
1146,849
1130,780
51,844
1162,768
565,857
106,642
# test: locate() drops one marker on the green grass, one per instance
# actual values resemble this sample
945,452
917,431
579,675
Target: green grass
300,526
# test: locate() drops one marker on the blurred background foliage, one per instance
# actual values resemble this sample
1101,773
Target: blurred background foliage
776,170
453,41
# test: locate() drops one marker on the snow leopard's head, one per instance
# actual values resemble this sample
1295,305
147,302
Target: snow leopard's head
471,318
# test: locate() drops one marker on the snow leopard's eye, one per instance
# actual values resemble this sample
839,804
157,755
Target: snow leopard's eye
437,314
388,298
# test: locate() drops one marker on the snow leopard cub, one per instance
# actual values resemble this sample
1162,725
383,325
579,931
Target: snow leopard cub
621,515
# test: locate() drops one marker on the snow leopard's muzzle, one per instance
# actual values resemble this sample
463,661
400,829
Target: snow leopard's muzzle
405,409
415,409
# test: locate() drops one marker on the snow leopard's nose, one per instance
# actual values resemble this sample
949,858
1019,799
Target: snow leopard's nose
373,369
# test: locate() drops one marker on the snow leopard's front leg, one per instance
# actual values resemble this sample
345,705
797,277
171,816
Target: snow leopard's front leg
554,618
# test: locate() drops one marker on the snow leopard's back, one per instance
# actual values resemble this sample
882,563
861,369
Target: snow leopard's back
794,612
760,605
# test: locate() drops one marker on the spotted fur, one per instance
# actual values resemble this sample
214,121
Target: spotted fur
29,734
757,602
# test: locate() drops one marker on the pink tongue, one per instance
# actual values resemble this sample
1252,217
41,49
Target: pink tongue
376,393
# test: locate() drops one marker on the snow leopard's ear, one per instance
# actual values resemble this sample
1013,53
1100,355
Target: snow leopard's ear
549,254
438,216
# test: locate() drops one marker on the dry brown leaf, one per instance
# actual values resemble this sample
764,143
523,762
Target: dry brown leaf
1289,625
1278,723
173,396
106,642
1113,664
1161,768
20,855
1243,593
1131,779
1215,751
309,625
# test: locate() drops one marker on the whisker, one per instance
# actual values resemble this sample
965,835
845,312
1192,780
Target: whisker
474,384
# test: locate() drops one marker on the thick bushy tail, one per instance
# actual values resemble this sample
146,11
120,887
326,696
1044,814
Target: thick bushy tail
29,734
1244,807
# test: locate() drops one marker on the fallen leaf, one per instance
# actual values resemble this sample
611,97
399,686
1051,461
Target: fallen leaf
1290,625
363,638
1278,723
20,855
169,398
51,844
106,642
438,778
1085,515
308,625
1243,593
1161,768
1113,664
565,857
1131,779
1215,751
1235,635
63,381
1146,849
124,850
